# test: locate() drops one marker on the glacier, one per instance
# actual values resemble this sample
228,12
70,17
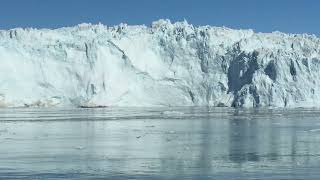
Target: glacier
166,64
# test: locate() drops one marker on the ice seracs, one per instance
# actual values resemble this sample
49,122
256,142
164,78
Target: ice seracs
167,64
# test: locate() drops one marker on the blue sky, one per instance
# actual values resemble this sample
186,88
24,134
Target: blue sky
294,16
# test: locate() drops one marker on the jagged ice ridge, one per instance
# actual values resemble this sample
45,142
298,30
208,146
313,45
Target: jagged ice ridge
167,64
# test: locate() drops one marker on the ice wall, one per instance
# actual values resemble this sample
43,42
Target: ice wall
167,64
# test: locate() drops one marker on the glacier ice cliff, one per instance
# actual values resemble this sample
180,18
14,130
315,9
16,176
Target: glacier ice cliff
167,64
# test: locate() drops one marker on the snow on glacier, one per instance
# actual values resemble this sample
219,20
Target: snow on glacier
167,64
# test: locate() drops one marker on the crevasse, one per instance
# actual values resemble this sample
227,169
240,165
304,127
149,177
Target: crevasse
167,64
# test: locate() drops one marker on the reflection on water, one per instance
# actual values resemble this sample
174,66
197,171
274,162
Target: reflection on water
159,143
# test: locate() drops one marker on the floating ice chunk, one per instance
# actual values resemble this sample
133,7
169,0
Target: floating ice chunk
314,130
172,113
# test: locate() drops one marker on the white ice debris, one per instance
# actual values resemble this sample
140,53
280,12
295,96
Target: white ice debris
167,64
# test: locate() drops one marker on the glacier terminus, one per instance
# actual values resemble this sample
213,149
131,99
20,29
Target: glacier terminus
166,64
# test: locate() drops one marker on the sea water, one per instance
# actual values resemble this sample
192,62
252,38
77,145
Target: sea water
160,143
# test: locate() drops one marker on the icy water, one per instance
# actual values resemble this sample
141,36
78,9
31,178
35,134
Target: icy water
160,143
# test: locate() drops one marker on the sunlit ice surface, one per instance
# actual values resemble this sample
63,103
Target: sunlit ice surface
160,143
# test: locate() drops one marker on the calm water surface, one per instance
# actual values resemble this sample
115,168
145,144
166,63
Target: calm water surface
160,143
